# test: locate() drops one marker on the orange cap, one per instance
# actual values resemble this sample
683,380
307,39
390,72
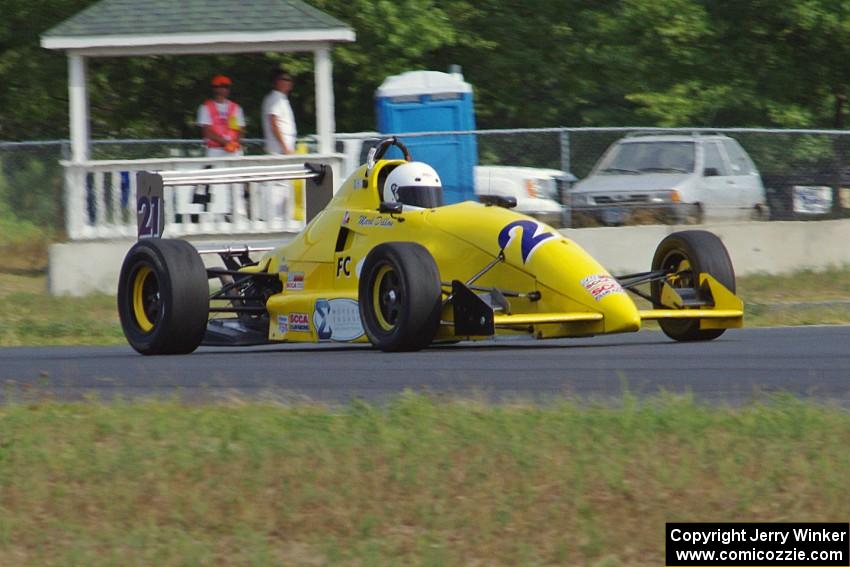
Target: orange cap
221,81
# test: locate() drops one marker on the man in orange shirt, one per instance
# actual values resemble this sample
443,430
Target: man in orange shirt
222,121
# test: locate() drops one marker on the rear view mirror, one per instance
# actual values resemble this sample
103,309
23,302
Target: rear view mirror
388,207
498,200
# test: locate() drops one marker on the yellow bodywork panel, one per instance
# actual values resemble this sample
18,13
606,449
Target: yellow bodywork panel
544,318
727,312
655,314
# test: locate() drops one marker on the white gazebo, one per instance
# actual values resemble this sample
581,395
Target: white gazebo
123,28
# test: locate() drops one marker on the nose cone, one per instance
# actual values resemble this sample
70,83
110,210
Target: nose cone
569,278
566,269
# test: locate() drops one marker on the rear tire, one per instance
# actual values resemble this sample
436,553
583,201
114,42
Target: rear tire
400,297
163,297
685,254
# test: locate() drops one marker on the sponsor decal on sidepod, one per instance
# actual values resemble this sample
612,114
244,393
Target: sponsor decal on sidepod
299,322
337,320
295,281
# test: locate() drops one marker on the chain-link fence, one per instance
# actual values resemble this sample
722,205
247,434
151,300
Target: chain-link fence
790,174
805,174
31,182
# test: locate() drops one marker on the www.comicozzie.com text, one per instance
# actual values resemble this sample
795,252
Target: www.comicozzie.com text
755,534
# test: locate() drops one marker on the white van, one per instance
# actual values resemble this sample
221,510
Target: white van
537,191
681,178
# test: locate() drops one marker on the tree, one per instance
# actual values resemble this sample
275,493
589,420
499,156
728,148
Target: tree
392,36
33,100
532,63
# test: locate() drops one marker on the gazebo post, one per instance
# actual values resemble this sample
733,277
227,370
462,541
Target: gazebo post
78,102
323,68
75,175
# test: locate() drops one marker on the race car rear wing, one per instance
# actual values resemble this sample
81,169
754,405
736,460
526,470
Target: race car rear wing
151,187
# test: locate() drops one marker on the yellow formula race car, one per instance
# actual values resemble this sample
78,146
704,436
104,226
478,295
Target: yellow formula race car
383,261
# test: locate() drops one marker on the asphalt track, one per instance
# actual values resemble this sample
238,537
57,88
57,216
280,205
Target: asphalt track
740,366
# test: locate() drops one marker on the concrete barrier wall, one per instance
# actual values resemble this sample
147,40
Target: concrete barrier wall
755,247
80,268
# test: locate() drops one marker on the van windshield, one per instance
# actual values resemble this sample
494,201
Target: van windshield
648,157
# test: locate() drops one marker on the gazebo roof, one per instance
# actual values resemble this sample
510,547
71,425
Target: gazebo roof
131,27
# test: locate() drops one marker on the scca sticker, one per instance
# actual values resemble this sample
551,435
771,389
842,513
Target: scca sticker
601,285
298,322
295,281
533,235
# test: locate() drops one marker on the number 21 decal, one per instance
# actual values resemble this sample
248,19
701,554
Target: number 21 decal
533,235
149,214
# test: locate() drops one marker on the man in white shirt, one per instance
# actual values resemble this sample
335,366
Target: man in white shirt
279,132
278,120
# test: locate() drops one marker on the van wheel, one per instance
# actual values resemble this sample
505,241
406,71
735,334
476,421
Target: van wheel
695,214
163,297
400,297
684,255
760,213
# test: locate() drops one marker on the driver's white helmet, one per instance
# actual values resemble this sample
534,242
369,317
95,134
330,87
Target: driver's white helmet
415,183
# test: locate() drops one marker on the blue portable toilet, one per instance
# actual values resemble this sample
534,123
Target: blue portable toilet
430,101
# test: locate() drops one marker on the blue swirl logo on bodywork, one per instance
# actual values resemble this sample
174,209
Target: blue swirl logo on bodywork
533,235
337,320
320,319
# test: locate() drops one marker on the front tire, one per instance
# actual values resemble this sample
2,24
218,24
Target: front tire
400,297
163,297
685,255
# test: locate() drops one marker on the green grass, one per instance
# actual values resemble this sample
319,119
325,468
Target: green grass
14,231
29,316
416,482
806,285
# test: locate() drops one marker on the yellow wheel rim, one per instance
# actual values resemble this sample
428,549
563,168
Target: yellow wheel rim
142,319
676,278
381,295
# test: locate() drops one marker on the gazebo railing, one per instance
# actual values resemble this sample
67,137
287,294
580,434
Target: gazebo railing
100,197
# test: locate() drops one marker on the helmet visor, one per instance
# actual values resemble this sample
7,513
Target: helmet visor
418,196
